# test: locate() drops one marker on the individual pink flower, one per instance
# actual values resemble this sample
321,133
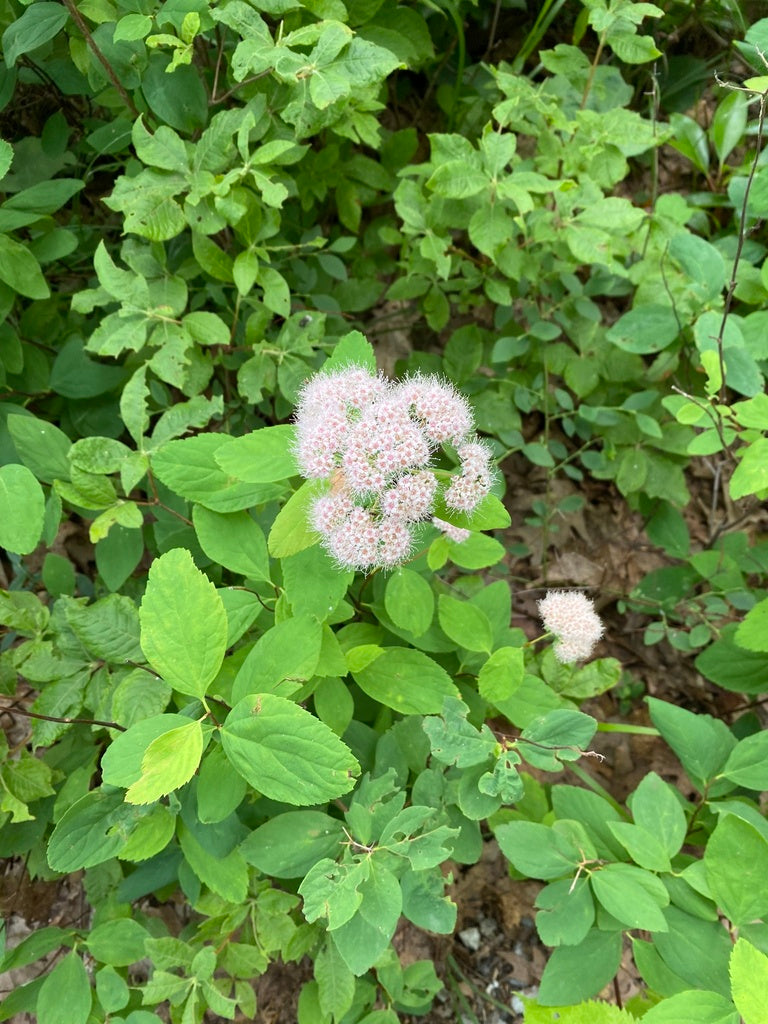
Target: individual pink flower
411,498
571,617
455,533
444,413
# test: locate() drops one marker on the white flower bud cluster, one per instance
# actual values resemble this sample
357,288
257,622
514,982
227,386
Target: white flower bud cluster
571,617
374,440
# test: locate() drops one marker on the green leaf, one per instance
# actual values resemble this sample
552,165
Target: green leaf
751,474
736,862
183,623
41,446
577,972
752,632
291,531
352,349
6,157
694,1005
646,329
288,845
188,466
409,601
336,982
22,509
121,763
285,753
313,584
407,680
566,912
288,651
454,740
163,149
657,809
465,624
566,732
108,629
19,269
87,834
644,847
749,981
701,742
747,764
695,950
363,939
178,99
234,540
538,851
223,871
502,674
119,942
169,762
220,790
262,456
36,26
65,996
631,895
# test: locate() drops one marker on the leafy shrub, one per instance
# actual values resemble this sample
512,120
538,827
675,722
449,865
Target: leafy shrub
205,205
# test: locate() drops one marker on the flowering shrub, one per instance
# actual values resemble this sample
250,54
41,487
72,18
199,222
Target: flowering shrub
375,443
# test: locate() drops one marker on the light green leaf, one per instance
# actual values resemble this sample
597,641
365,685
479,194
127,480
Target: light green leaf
169,762
695,1005
285,753
183,623
753,630
751,474
291,531
22,509
749,981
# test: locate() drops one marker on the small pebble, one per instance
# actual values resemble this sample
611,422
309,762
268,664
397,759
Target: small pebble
471,938
517,1004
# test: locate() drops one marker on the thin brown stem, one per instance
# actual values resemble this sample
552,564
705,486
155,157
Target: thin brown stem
91,42
14,709
742,237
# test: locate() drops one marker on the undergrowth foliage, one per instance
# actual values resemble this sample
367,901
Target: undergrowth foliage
275,681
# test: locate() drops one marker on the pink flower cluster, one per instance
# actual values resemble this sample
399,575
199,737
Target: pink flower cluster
373,440
572,618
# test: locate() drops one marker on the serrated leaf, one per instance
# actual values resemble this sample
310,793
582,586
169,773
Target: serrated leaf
263,456
183,623
285,753
749,981
169,762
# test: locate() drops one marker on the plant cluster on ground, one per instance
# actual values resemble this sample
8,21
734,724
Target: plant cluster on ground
287,290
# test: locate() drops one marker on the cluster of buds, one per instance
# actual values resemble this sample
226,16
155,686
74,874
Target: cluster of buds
374,442
571,617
